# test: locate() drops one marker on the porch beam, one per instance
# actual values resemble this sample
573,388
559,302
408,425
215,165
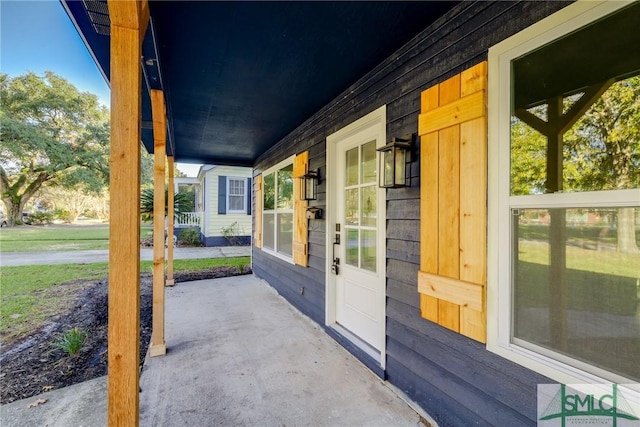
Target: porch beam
170,221
158,346
129,20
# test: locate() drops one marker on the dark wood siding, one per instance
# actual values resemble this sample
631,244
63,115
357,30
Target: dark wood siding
455,379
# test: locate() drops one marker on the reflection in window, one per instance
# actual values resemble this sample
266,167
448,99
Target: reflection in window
588,306
601,151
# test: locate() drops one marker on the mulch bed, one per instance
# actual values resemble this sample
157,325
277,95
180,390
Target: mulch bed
31,365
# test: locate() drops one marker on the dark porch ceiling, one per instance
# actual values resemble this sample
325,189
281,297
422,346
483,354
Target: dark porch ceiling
239,76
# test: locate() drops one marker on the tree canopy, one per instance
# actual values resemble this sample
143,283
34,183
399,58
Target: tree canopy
51,134
601,151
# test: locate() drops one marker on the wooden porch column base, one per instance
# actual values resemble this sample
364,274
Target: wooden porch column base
170,282
158,350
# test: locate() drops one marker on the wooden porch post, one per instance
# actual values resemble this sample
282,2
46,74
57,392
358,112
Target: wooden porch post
129,20
170,220
158,346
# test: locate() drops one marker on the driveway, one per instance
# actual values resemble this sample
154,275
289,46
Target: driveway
86,257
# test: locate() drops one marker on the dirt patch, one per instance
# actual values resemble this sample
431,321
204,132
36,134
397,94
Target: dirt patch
31,365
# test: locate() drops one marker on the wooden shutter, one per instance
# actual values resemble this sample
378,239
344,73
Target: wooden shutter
300,222
222,195
257,226
453,213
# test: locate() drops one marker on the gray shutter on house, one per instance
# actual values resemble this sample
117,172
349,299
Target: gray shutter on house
248,192
222,195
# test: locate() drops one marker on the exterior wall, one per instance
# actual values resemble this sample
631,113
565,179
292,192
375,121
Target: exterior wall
214,222
455,379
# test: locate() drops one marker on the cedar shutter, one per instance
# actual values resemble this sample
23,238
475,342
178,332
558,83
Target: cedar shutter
300,222
257,226
222,195
248,196
453,193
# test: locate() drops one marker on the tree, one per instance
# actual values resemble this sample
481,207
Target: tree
51,134
600,152
607,139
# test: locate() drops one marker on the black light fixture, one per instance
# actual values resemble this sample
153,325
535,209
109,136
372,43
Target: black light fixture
309,185
393,162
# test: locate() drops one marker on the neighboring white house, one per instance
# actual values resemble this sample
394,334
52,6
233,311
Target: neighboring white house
222,205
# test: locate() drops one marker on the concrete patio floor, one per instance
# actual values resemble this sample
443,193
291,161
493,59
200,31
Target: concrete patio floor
237,354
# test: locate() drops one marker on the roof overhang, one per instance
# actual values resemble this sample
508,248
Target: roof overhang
239,76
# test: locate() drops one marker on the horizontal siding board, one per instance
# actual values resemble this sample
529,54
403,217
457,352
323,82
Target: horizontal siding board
403,250
318,251
408,229
445,410
317,262
402,271
403,209
402,292
495,383
317,237
432,333
402,193
481,407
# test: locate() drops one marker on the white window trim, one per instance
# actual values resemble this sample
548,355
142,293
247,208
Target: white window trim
499,292
282,164
244,195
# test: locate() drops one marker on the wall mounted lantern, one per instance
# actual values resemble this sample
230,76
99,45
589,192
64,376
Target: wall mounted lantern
393,162
309,185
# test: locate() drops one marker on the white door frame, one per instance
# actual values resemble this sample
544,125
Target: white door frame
377,119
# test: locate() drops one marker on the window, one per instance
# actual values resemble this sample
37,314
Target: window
236,195
277,216
565,198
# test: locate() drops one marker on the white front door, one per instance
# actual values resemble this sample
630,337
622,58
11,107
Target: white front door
356,268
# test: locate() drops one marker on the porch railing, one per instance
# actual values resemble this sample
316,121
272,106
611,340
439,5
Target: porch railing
188,219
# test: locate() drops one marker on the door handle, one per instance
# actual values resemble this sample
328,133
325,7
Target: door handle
335,269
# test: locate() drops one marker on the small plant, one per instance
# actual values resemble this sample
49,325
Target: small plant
71,341
241,265
232,233
189,237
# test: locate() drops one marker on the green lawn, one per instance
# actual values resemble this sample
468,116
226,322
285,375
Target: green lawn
57,238
596,280
31,294
604,262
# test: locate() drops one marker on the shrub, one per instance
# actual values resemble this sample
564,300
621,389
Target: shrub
63,215
71,341
189,237
40,218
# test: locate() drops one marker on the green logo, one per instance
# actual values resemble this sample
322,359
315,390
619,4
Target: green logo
585,404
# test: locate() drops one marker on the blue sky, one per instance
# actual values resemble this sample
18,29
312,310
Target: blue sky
37,35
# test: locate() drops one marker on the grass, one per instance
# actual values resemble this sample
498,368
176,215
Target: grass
603,262
57,238
31,294
596,280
